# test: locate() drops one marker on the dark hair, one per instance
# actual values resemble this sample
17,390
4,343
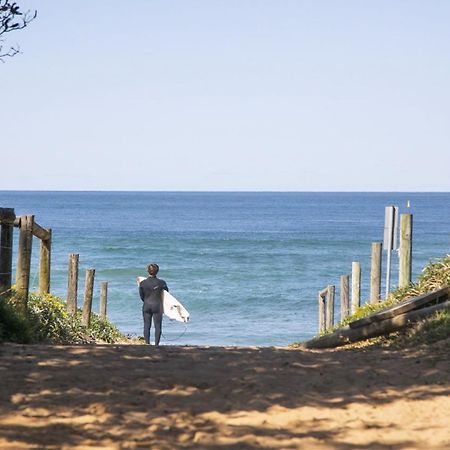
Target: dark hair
152,269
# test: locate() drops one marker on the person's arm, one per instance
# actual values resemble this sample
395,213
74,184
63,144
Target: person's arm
165,287
141,293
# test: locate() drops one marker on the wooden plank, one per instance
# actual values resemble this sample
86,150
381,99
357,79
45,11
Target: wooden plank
6,256
72,283
88,294
375,272
356,285
403,307
347,335
24,260
44,265
321,300
7,216
330,307
41,232
103,299
405,263
345,301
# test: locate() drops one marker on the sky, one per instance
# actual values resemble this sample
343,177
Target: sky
232,95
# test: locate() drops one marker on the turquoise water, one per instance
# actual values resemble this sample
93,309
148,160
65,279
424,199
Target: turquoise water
247,266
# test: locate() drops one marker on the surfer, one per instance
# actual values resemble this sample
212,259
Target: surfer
150,291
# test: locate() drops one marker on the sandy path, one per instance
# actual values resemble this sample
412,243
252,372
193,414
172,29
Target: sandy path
223,398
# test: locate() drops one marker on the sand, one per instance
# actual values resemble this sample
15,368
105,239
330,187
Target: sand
140,397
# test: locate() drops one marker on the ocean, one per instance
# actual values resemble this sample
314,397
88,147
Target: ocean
247,266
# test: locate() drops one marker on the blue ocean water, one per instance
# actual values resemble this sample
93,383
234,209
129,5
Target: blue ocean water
247,266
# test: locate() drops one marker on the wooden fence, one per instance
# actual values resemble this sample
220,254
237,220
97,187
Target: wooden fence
29,228
350,305
386,321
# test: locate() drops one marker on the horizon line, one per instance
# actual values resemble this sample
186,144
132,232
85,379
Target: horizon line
230,191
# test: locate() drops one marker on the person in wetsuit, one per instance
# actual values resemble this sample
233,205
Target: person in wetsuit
150,291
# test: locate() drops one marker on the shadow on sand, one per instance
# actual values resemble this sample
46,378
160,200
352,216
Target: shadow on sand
124,396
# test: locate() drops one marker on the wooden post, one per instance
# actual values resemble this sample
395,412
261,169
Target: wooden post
44,264
345,303
24,259
103,299
322,310
405,265
72,284
356,285
375,272
330,306
88,293
7,218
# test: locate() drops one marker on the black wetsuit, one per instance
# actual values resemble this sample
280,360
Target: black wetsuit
150,291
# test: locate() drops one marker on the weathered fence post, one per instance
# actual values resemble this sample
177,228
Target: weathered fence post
405,265
322,313
72,284
103,299
7,218
375,273
356,285
345,304
24,258
88,293
44,264
330,306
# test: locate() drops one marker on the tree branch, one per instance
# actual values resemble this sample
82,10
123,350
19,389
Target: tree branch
12,19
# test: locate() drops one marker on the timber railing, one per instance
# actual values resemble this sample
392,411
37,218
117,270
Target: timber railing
349,304
28,228
386,321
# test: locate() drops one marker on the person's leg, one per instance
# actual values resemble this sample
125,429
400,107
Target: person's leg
147,324
158,327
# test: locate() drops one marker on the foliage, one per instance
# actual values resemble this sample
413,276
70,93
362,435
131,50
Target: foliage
12,19
434,276
52,322
14,327
47,320
429,330
102,330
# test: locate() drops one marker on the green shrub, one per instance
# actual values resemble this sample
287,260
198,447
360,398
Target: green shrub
431,329
103,330
14,327
53,323
47,320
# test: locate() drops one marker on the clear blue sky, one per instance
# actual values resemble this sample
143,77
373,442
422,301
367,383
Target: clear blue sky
229,95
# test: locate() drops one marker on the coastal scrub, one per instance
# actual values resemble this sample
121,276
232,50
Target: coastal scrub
47,320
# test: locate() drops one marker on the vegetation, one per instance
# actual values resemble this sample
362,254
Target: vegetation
436,327
47,320
12,19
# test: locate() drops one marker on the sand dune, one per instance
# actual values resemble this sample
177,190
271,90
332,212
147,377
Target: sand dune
124,396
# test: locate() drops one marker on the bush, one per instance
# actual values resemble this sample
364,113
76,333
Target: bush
47,320
13,326
429,330
53,322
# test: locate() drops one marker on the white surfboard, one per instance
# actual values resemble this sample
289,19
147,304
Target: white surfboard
172,308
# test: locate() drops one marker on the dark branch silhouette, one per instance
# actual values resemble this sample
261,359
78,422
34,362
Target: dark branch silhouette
12,19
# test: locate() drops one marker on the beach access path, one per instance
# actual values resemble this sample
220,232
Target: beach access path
140,397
